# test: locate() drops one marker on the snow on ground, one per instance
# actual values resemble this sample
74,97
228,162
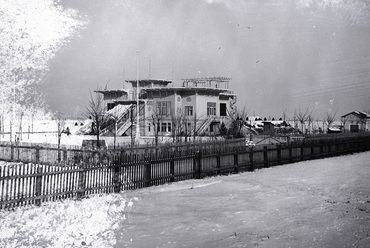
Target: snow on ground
89,222
319,203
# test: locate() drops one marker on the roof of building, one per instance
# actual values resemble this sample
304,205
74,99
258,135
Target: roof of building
196,89
360,114
111,91
207,79
146,82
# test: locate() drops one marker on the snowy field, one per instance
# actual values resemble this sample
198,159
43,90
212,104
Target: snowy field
320,203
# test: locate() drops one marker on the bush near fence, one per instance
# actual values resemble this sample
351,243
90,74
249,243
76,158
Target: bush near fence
83,172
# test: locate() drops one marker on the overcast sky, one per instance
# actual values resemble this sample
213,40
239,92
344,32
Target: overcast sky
281,55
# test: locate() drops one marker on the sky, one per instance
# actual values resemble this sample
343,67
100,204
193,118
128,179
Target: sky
283,56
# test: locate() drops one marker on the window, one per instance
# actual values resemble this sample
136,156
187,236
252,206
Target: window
110,106
211,108
164,108
189,110
164,127
223,109
148,127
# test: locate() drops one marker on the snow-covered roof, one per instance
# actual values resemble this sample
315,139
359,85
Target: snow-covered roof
120,91
118,110
360,114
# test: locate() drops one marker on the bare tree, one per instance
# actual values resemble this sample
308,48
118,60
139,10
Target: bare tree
238,120
330,118
344,120
20,121
223,130
96,111
177,120
310,120
60,130
156,119
302,117
195,121
195,126
186,130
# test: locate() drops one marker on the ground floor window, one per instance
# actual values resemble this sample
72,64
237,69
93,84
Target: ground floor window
165,127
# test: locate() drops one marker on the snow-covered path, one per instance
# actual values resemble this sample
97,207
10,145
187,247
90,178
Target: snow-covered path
319,203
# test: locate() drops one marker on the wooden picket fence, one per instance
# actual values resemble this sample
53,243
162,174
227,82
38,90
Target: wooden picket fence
97,172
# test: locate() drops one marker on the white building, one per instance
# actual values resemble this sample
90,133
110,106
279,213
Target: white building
197,107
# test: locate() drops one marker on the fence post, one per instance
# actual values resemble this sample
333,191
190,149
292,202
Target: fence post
197,165
236,162
251,168
147,173
59,157
321,149
302,151
172,168
265,158
37,155
279,154
18,158
11,152
116,179
38,185
64,155
200,165
218,164
312,150
291,153
81,181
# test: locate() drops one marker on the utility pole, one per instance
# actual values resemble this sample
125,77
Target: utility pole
137,136
150,67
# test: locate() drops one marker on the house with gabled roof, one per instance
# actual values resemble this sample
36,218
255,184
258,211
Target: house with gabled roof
356,121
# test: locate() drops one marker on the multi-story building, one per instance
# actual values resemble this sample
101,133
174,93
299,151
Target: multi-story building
197,107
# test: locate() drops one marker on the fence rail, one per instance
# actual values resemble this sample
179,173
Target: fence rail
83,172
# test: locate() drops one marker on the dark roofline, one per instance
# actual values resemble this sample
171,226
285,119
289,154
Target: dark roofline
110,91
207,79
149,81
203,89
358,113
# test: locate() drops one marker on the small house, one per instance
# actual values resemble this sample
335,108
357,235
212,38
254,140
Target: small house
356,121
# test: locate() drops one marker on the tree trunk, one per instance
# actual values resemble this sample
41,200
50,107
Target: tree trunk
59,138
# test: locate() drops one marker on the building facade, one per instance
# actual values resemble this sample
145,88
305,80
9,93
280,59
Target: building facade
356,121
198,107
